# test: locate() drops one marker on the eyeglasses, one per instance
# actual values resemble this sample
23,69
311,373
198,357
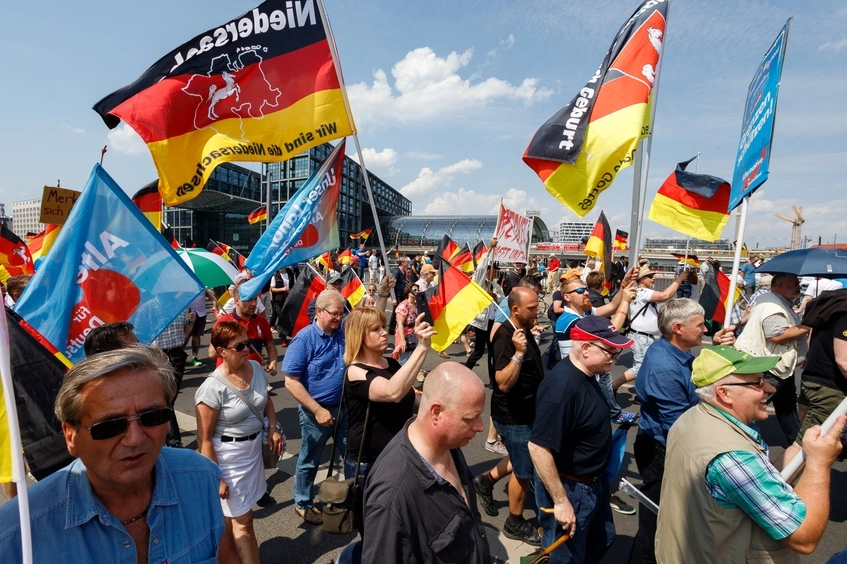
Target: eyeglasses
579,291
333,314
239,347
757,384
114,427
612,355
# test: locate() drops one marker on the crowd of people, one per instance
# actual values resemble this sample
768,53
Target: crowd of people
399,429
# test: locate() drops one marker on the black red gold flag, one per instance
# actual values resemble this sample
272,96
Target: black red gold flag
295,312
149,201
41,244
364,234
352,289
714,293
479,251
692,260
621,238
447,249
257,215
599,246
14,254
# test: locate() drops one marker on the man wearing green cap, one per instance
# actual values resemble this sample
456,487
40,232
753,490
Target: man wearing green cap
746,511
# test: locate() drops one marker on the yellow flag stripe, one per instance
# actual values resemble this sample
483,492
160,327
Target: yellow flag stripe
466,304
694,223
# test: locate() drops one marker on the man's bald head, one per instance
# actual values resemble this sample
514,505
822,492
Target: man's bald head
448,383
451,406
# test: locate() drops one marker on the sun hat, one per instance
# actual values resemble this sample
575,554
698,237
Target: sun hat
427,268
597,328
718,362
645,272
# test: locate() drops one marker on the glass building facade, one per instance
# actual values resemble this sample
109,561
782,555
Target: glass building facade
425,232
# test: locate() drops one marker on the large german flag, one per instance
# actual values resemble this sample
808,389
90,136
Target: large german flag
599,246
41,244
262,87
149,201
295,312
352,290
693,204
579,151
257,215
453,303
14,254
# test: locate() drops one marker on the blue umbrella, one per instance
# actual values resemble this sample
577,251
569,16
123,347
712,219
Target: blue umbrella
825,263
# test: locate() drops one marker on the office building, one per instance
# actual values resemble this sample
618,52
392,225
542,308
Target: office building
25,216
575,232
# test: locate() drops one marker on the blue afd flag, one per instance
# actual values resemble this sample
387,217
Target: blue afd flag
108,264
306,227
754,148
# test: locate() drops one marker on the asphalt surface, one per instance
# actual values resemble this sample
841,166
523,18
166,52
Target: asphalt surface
285,538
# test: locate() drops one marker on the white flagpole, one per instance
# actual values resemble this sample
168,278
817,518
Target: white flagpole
800,458
18,469
688,239
337,61
736,260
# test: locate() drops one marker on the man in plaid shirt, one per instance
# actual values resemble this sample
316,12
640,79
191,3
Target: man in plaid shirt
722,499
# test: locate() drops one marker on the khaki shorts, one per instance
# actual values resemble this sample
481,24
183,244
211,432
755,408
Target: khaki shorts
822,401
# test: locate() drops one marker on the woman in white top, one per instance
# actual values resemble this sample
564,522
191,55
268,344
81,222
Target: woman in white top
230,434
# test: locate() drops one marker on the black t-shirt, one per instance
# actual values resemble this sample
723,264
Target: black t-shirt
821,367
572,420
517,406
552,315
512,281
597,299
387,417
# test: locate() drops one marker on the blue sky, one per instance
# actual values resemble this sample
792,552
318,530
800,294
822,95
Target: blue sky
446,96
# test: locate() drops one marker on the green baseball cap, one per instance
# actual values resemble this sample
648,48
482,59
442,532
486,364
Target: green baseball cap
715,363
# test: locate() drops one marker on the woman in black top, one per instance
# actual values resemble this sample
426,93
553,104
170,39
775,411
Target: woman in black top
371,376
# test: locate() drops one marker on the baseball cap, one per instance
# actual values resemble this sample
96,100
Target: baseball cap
333,279
717,362
597,328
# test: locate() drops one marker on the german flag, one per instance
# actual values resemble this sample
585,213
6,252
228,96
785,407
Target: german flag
692,259
353,290
214,248
605,119
743,247
694,204
362,234
464,260
453,303
41,244
621,238
447,248
257,215
295,313
325,260
714,293
599,246
262,87
479,251
149,201
14,254
169,236
344,257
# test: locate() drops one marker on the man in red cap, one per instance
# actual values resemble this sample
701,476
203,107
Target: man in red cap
571,444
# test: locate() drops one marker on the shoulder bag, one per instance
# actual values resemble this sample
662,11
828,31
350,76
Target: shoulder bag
269,459
342,499
627,324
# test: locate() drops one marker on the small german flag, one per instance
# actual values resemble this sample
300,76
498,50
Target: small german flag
743,247
692,259
14,254
464,260
325,260
353,290
295,312
217,249
362,234
599,246
621,243
344,257
714,293
479,251
149,201
446,249
168,234
257,215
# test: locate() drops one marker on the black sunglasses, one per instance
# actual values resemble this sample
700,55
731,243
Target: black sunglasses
758,384
239,347
612,355
579,291
114,427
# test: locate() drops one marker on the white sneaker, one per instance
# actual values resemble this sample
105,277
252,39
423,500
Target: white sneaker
496,447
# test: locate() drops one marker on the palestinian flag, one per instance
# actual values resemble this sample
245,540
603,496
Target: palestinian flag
453,303
692,204
14,254
464,260
344,257
262,87
149,201
447,248
353,290
621,238
714,293
295,313
41,244
479,251
692,259
362,234
257,215
599,246
606,119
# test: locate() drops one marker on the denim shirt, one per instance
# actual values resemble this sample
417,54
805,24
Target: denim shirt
70,524
665,388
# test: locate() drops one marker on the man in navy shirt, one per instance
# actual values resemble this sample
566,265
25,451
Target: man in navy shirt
665,389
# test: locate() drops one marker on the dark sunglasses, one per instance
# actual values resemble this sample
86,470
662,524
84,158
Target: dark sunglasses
239,347
758,384
612,355
579,291
114,427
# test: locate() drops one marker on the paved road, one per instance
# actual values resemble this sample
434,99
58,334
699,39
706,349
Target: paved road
284,538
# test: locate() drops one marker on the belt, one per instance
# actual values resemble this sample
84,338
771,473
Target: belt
641,333
580,479
228,439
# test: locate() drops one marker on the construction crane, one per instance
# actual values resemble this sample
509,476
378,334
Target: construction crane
796,227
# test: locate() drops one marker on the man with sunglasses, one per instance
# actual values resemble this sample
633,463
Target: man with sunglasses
571,445
125,498
722,499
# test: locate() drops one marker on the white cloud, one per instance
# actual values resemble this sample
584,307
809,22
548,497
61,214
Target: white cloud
383,160
78,130
426,86
834,46
504,44
429,180
481,204
124,139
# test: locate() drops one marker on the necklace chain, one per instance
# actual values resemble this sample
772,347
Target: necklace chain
137,517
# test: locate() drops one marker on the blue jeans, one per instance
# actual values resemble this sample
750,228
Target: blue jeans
314,439
516,438
605,381
350,470
595,529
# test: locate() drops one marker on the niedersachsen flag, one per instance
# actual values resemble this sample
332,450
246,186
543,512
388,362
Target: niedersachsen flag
257,215
261,87
620,243
692,204
149,201
599,246
605,120
14,254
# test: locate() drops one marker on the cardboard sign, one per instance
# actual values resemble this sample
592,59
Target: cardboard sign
513,233
56,204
